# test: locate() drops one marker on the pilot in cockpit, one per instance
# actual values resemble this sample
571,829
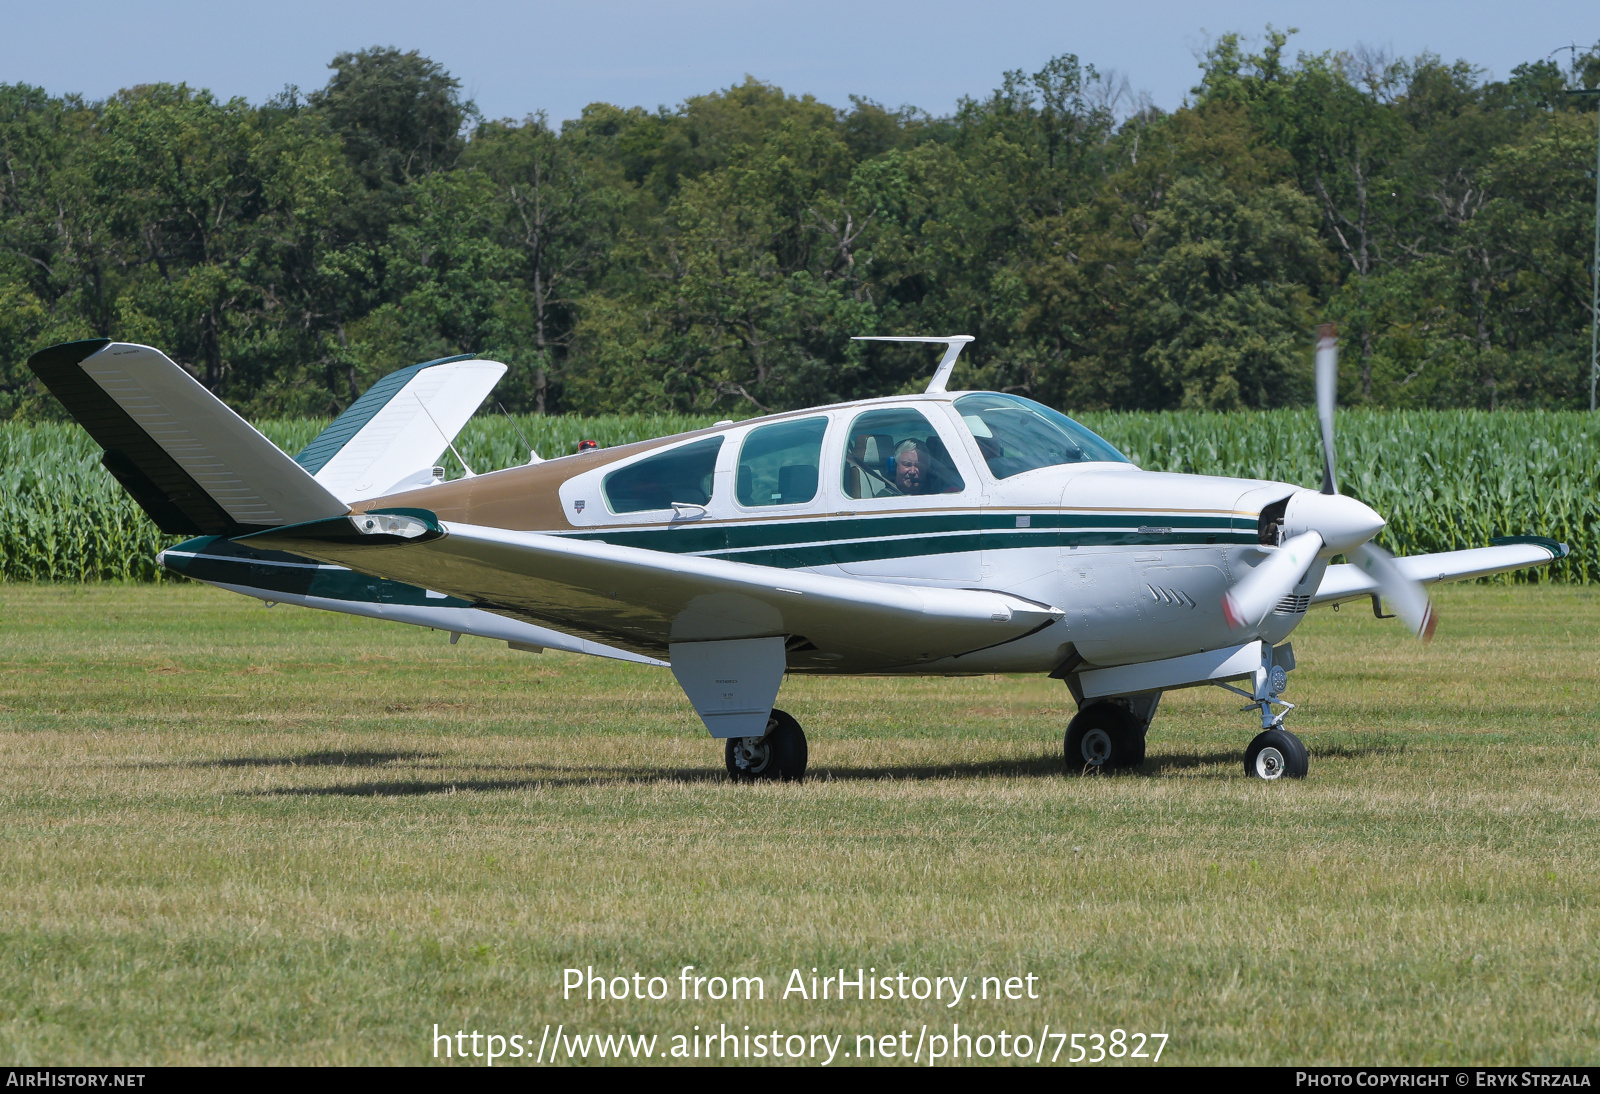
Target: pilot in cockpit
911,468
917,471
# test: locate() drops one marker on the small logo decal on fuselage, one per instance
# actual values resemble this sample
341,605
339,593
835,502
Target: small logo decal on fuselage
577,506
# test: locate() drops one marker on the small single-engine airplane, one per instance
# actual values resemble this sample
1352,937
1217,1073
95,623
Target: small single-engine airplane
940,534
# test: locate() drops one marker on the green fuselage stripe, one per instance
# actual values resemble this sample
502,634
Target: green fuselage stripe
827,540
823,541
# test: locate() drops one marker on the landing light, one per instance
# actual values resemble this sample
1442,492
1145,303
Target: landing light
388,524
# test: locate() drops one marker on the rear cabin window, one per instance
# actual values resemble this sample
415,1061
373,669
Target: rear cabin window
682,475
778,463
1017,435
896,453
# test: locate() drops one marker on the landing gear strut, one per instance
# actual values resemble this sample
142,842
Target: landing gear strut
779,754
1274,752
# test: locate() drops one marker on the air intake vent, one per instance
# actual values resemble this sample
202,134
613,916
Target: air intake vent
1293,605
1269,527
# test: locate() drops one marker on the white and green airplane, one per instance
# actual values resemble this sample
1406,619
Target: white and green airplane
940,534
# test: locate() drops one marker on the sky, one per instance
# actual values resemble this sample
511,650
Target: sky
515,59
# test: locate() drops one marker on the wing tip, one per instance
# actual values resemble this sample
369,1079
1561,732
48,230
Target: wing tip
1557,550
65,355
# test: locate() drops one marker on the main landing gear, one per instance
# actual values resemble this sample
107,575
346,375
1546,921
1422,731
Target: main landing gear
1103,736
777,755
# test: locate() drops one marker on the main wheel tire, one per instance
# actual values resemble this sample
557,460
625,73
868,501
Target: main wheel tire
778,755
1276,754
1102,736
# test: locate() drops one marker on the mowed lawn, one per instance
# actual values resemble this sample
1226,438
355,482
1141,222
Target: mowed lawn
230,834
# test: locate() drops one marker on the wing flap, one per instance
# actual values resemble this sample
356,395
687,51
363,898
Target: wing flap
644,600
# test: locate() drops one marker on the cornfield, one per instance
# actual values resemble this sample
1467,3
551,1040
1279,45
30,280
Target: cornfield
1444,479
64,518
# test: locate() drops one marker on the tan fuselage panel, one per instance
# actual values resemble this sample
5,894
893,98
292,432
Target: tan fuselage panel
523,499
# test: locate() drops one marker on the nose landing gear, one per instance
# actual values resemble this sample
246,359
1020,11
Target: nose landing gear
1274,752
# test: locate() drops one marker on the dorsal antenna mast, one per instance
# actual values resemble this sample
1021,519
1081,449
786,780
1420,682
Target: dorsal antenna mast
533,457
953,343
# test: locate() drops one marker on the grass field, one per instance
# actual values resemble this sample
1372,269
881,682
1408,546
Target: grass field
230,834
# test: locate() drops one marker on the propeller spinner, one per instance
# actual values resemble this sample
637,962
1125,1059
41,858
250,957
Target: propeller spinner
1315,522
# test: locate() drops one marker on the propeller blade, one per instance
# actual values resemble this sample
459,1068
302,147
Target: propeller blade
1258,592
1408,599
1327,399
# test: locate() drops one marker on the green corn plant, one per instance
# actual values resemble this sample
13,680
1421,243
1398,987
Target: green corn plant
1445,480
64,518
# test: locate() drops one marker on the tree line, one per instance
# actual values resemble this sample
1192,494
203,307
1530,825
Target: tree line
718,255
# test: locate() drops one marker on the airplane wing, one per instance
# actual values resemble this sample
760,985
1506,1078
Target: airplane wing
390,438
277,578
1348,582
644,600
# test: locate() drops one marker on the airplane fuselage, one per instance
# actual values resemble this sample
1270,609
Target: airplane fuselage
1139,561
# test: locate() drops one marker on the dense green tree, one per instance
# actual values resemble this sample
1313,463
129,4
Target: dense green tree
558,209
54,275
748,292
718,255
1230,280
399,115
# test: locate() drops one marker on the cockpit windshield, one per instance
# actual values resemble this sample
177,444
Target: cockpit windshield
1017,435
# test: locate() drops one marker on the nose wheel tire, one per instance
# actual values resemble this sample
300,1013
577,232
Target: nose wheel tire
1100,737
777,755
1276,754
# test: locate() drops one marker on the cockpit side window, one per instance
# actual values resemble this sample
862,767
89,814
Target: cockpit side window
897,453
778,463
682,475
1017,435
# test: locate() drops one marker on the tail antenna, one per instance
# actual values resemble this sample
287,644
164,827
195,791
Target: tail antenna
533,457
